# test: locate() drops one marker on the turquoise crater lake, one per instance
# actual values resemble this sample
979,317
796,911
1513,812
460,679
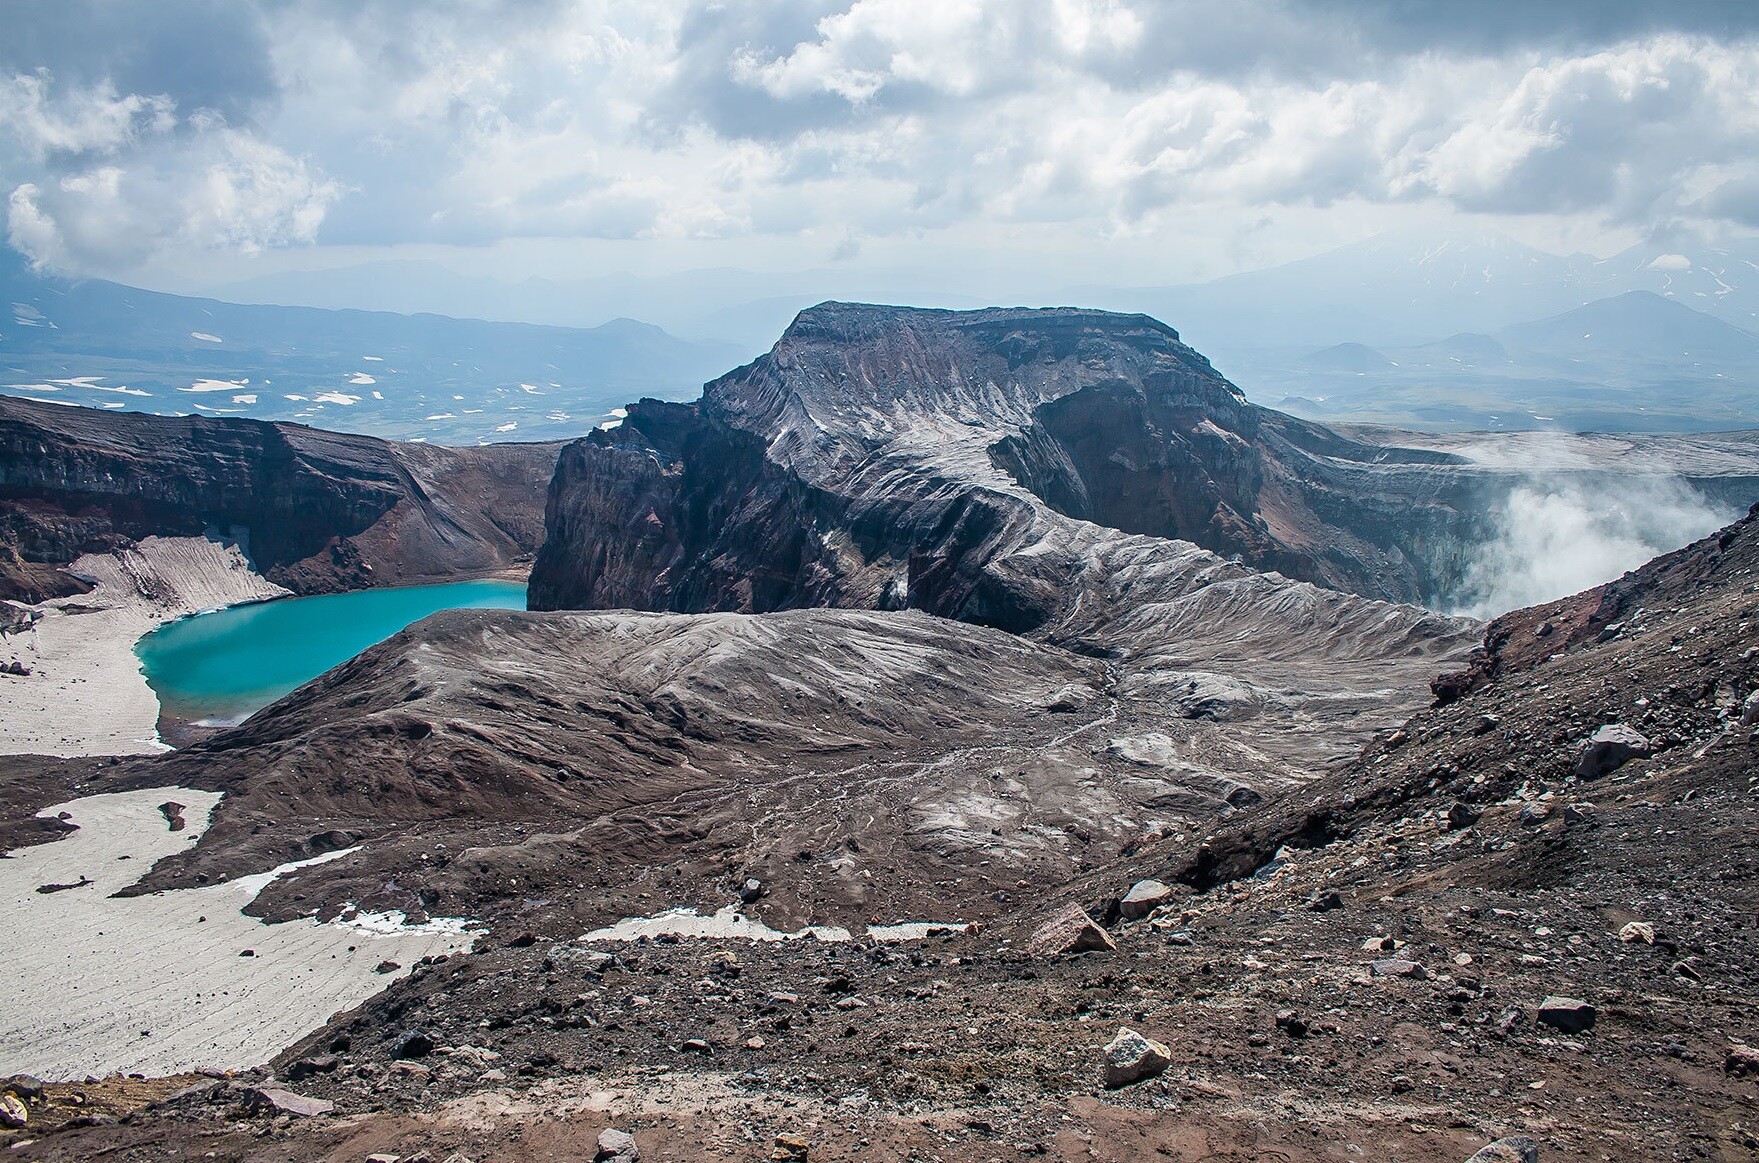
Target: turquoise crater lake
220,667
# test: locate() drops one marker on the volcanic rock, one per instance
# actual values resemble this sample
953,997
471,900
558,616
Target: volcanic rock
790,1148
1610,748
320,511
1514,1149
1569,1014
615,1146
1397,967
286,1102
1143,898
1070,931
1130,1058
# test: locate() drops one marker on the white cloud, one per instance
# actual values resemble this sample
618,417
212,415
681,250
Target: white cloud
94,119
161,182
879,119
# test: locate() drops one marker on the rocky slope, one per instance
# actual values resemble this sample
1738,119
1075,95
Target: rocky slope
874,677
884,457
1463,935
318,511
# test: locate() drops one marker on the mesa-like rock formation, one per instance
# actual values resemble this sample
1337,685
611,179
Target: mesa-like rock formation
318,511
885,457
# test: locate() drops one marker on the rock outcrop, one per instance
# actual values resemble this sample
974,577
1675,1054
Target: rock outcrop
318,511
885,457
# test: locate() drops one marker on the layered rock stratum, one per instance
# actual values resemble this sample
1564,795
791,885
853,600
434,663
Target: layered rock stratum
317,511
983,465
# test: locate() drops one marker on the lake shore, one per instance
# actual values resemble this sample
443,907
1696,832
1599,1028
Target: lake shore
86,694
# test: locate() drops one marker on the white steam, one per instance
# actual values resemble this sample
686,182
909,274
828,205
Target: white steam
1556,537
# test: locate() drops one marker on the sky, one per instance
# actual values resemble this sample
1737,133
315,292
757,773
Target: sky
1120,140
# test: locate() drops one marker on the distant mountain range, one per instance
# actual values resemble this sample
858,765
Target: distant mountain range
1631,362
1465,331
425,377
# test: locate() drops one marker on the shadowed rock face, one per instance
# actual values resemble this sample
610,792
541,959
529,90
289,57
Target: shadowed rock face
320,511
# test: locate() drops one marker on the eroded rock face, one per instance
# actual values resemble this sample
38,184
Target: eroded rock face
885,457
320,511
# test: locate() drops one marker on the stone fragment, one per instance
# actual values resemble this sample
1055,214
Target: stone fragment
382,1157
1638,932
25,1086
414,1044
1326,902
1572,1015
1535,813
1397,967
1514,1149
1143,898
790,1148
316,1064
1461,816
1069,931
1130,1057
387,966
265,1098
616,1146
1750,710
751,891
1291,1023
1609,749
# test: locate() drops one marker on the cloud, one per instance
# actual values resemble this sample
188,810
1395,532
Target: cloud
120,178
1555,537
90,120
882,119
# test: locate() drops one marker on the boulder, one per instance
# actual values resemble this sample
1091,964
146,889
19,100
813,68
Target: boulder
266,1098
790,1148
1069,931
414,1044
1572,1015
1397,967
616,1146
316,1064
1514,1149
1742,1061
1143,898
1609,749
1638,932
25,1086
1130,1057
1750,710
13,1114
